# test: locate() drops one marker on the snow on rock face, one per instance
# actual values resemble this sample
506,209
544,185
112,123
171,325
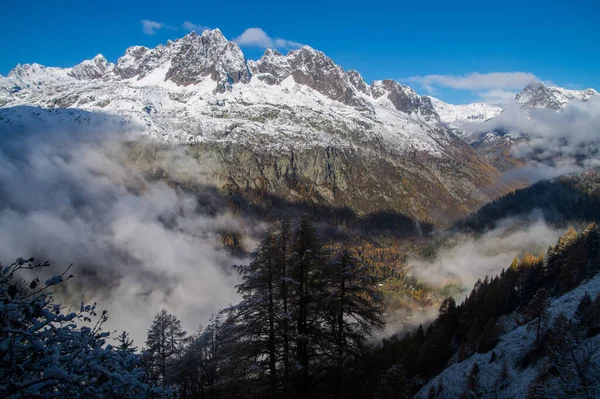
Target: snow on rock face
358,82
455,114
538,95
311,68
129,65
34,77
404,99
272,68
192,59
197,87
456,117
91,69
208,54
317,71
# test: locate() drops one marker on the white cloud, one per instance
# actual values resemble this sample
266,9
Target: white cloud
258,38
554,142
190,26
476,81
137,244
472,257
151,27
497,96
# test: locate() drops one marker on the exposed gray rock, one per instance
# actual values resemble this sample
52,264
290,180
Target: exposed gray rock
404,98
317,71
91,69
208,55
358,82
130,63
538,95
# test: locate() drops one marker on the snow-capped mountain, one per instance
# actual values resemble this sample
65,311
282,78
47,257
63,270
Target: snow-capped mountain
538,95
546,123
457,116
299,120
203,77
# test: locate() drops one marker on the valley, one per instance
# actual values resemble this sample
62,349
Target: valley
185,177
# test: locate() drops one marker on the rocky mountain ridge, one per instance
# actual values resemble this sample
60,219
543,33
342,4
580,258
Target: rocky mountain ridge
538,95
298,126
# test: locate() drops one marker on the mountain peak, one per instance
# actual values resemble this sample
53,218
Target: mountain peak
404,98
95,68
358,82
99,58
210,54
539,95
271,52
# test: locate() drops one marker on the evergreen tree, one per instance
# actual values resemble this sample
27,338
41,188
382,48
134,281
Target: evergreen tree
282,255
125,343
355,310
164,344
537,311
584,312
48,353
259,311
596,311
307,271
393,384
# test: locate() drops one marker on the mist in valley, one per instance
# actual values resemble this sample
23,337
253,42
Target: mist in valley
137,244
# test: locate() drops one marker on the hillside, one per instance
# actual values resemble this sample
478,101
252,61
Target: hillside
508,337
502,372
567,199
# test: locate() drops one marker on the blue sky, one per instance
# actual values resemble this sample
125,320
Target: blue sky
435,46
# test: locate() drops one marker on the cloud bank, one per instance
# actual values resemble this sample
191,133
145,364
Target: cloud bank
138,245
469,258
555,142
493,87
465,258
477,81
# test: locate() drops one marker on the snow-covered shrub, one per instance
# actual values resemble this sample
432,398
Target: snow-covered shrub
47,351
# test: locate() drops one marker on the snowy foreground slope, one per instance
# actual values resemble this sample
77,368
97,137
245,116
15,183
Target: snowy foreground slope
302,126
513,345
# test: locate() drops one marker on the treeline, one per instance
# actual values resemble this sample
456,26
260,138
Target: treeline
561,200
461,330
304,321
305,327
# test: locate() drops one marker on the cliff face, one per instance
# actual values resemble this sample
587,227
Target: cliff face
417,185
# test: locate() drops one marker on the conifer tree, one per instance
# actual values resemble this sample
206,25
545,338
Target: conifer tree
307,271
537,311
259,311
282,255
584,312
393,384
355,309
164,344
